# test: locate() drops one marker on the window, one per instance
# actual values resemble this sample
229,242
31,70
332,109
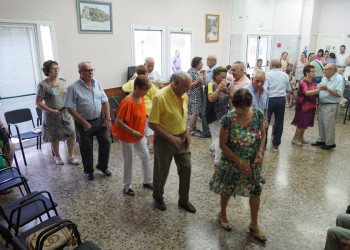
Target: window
148,42
257,48
22,52
180,50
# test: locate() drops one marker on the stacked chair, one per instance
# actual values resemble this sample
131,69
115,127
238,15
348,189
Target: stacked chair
32,206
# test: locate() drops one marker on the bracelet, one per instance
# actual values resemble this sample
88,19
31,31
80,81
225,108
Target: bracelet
133,133
261,149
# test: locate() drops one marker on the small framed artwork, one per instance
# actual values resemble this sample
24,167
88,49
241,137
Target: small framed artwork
94,17
212,28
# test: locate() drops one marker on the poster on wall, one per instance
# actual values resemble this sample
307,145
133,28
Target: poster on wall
212,28
94,17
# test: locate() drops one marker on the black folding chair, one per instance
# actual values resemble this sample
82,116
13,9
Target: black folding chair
114,103
346,95
28,208
12,177
53,225
15,117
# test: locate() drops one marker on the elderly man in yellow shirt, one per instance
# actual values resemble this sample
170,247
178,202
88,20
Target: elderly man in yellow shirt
172,139
129,87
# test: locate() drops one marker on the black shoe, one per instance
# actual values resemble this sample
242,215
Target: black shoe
328,146
318,143
89,176
188,207
205,136
160,204
106,172
262,180
150,186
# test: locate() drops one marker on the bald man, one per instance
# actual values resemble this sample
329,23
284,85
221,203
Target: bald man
277,85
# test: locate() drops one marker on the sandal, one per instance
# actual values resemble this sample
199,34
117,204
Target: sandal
129,192
259,236
225,225
192,132
197,130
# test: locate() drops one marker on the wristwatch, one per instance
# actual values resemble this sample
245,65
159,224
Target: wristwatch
109,119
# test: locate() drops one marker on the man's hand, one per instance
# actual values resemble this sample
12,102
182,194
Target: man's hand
345,244
108,124
175,141
87,126
323,86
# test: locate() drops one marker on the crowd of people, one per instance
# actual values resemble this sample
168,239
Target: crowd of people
235,112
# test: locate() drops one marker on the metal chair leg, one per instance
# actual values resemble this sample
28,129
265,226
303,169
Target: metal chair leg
24,157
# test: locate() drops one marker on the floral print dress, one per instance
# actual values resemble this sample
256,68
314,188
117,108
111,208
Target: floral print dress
244,142
56,127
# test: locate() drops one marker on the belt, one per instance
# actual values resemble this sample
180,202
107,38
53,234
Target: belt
93,119
325,103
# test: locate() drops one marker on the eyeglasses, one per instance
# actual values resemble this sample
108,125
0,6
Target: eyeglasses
58,69
88,70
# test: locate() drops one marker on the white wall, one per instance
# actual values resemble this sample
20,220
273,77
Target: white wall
110,54
287,17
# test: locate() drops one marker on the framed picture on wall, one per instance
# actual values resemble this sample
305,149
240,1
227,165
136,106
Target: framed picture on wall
94,17
212,28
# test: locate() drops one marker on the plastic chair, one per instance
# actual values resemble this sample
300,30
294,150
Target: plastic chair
18,116
114,103
346,95
28,208
12,177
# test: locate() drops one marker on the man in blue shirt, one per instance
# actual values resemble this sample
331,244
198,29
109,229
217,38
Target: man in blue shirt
84,100
277,84
331,92
259,93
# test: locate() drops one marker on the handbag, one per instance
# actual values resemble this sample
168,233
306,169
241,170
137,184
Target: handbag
56,240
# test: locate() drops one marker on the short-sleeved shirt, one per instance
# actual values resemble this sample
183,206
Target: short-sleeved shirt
154,76
209,77
241,83
277,83
167,113
259,102
215,110
86,102
341,59
336,82
129,86
306,104
134,116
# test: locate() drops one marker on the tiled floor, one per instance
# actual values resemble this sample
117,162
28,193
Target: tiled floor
305,189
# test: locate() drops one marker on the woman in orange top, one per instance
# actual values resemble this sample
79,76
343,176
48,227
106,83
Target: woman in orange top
130,130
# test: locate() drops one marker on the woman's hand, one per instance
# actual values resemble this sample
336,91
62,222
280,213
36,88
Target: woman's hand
137,134
54,112
258,158
201,79
245,169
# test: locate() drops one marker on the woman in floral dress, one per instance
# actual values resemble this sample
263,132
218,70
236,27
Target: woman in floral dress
58,124
195,93
242,139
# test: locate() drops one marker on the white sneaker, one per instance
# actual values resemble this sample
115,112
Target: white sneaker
298,143
59,160
73,161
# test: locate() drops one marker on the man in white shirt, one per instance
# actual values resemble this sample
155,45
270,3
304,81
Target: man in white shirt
341,59
153,75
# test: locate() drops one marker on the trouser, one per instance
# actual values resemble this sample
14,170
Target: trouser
215,136
205,127
341,231
86,144
326,123
277,107
164,152
128,161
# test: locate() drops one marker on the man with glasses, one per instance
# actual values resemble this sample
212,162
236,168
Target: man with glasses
84,100
331,92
